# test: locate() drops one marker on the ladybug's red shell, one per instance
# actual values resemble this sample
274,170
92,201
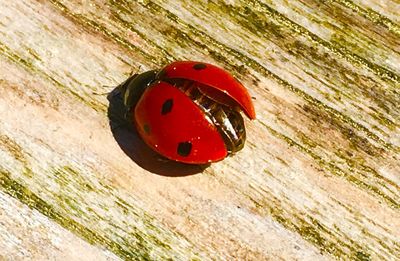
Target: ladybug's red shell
188,111
175,127
213,77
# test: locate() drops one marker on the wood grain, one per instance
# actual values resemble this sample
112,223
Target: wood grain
319,177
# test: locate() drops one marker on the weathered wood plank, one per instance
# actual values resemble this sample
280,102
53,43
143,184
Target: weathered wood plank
318,178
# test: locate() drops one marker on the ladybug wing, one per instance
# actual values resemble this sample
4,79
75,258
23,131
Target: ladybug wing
217,83
174,126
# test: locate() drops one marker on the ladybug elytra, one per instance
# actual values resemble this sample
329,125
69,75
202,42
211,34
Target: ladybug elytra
189,111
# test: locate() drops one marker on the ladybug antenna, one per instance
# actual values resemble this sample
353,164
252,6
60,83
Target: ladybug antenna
111,87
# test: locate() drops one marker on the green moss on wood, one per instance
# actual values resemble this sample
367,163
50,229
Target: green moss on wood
372,16
29,198
335,48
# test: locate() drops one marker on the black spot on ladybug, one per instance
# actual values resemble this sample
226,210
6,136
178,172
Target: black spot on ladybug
167,106
184,148
146,128
199,66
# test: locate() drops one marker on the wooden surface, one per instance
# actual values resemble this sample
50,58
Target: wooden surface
319,177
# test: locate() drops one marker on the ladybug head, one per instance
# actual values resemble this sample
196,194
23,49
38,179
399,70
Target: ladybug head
133,88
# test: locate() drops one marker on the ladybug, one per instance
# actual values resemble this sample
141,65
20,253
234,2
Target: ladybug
189,111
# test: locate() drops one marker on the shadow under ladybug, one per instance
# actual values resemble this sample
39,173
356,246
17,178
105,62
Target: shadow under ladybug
135,148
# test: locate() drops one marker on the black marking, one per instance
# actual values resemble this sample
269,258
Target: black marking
167,106
146,128
199,66
184,148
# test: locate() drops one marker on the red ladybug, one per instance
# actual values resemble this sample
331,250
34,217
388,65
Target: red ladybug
189,111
